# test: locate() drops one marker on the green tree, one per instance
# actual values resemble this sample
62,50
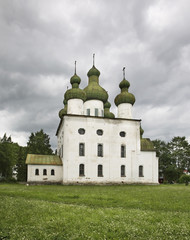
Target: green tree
21,167
39,143
180,153
8,156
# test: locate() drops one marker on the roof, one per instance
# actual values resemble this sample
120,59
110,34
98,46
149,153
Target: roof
43,159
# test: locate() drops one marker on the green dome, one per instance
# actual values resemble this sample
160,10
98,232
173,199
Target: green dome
124,96
93,72
75,92
107,105
107,113
75,79
147,145
124,84
94,91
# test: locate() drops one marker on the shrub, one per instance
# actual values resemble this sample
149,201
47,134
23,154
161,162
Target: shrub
184,179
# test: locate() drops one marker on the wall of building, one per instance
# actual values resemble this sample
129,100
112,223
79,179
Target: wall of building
58,177
92,105
111,160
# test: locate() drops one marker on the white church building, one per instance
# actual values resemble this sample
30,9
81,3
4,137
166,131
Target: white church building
94,146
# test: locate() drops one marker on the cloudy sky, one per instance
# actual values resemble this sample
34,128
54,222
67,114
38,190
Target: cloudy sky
41,39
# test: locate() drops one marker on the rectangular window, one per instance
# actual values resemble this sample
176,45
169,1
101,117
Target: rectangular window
141,171
96,112
123,151
100,171
81,149
102,113
100,150
122,170
88,112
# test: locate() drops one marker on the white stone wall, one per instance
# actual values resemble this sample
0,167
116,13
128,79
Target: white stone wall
92,105
111,159
75,106
124,110
58,177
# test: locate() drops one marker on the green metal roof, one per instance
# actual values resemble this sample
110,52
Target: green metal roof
43,159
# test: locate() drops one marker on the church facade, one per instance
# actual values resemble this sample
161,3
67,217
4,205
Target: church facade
94,146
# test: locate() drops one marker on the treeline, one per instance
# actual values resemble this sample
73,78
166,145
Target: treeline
174,158
13,156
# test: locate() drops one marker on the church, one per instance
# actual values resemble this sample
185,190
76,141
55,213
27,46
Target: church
93,145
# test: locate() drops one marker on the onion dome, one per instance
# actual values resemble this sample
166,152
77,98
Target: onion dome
94,91
63,111
147,145
75,92
107,113
124,96
93,72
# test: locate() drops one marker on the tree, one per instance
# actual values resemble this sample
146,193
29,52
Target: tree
21,167
39,143
180,153
8,156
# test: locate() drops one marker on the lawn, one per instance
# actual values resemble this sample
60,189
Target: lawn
94,212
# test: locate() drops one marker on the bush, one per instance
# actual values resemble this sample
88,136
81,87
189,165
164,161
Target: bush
184,179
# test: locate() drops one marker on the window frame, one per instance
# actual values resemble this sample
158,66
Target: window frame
141,171
81,131
100,150
88,111
123,151
99,132
96,112
100,170
44,172
122,134
52,172
123,174
37,172
81,170
81,149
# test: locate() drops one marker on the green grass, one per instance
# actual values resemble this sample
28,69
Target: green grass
94,212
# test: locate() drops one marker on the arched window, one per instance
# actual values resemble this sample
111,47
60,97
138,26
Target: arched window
141,171
81,149
123,151
44,171
36,171
52,172
100,150
122,170
100,171
81,170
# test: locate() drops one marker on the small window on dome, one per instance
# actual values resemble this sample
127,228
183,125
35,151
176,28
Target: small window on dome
99,132
96,112
122,134
81,131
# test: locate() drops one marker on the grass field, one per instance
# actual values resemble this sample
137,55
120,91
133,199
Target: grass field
94,212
